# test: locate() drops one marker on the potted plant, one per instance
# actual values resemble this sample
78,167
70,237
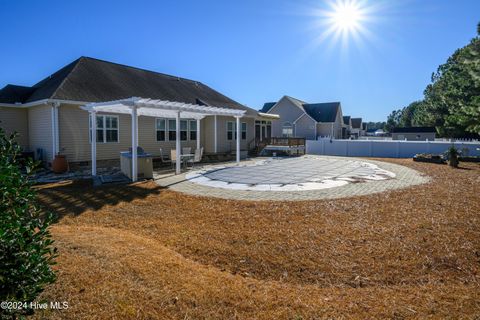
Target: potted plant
59,164
452,155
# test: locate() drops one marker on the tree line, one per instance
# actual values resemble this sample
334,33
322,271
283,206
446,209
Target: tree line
451,102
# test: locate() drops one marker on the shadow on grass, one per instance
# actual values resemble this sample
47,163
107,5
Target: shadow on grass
76,197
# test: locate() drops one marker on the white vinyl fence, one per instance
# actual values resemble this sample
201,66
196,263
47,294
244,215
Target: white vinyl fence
386,148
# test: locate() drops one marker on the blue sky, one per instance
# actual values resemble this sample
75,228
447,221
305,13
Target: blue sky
252,51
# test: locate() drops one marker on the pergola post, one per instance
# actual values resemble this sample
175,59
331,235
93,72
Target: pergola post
93,120
134,143
198,133
239,137
177,144
215,134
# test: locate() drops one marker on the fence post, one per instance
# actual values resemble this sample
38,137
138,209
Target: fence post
347,144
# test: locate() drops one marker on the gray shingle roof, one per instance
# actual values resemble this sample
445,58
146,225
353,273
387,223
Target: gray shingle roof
346,119
356,123
92,80
322,112
267,106
13,94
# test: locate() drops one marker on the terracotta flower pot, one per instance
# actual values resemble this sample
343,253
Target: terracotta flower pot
59,164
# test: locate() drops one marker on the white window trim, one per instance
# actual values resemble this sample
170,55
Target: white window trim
234,125
167,138
189,129
233,131
104,117
165,130
241,130
291,126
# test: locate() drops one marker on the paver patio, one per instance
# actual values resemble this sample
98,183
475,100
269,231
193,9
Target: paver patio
353,173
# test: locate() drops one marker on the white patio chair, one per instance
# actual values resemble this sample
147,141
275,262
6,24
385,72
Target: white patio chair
163,158
197,157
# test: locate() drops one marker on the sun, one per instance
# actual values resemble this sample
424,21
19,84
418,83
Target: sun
344,22
346,16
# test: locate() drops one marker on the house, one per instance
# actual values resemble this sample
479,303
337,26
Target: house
357,127
414,134
49,119
306,120
347,127
364,129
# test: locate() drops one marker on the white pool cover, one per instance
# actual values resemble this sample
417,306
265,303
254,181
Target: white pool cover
290,174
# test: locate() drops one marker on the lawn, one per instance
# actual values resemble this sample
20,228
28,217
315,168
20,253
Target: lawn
143,252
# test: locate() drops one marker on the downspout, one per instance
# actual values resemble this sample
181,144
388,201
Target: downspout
55,131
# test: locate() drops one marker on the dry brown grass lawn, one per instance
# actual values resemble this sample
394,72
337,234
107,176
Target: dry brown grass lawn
143,252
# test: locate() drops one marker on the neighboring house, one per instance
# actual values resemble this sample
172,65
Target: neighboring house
357,126
347,127
49,120
306,120
364,130
414,133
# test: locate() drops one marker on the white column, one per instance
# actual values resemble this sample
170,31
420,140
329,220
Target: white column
215,134
332,131
93,119
198,133
134,143
239,137
177,144
54,120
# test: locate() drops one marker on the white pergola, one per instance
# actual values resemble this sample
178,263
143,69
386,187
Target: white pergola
160,109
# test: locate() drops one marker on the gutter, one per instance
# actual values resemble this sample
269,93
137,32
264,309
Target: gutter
42,102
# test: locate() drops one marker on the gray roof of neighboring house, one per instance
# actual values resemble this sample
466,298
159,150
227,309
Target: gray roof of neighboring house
414,130
356,123
322,112
93,80
346,119
267,106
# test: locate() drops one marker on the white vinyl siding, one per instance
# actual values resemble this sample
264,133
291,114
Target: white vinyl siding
40,131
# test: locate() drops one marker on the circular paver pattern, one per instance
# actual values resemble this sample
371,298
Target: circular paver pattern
303,178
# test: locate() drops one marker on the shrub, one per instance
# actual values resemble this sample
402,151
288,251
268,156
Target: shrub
452,156
26,251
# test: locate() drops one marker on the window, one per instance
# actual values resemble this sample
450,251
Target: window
193,130
172,134
183,130
111,129
230,130
287,129
107,128
161,128
244,131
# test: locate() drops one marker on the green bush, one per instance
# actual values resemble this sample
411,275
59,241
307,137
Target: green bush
26,251
452,156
